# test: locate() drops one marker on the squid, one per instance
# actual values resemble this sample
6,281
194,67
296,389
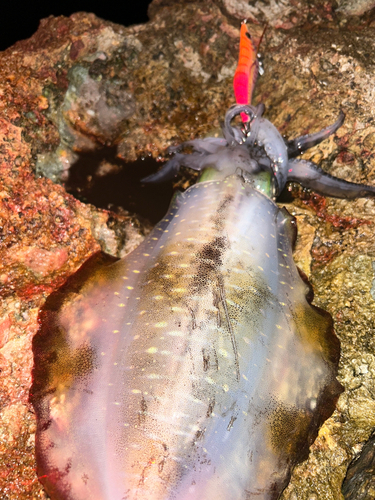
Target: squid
195,368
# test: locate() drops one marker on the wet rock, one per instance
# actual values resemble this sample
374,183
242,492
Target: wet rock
81,85
359,483
45,233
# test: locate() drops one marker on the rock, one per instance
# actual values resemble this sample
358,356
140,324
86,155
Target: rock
81,84
359,482
45,234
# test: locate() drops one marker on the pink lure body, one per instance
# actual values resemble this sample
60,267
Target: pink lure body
247,71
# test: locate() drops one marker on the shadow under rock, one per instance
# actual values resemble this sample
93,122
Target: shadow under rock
104,180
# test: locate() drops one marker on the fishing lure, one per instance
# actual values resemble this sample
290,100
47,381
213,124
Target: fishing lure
196,367
247,71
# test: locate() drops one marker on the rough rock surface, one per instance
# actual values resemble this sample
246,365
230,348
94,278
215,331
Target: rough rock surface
81,84
359,483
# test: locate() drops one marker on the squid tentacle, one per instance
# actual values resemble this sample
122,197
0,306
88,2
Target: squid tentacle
252,134
270,139
168,171
209,145
302,143
233,135
194,161
311,176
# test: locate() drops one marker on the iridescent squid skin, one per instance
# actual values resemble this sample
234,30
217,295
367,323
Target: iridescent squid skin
196,367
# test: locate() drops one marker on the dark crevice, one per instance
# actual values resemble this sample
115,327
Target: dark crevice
285,196
104,180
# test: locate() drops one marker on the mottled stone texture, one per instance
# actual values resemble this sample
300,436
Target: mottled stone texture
45,234
359,483
81,83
